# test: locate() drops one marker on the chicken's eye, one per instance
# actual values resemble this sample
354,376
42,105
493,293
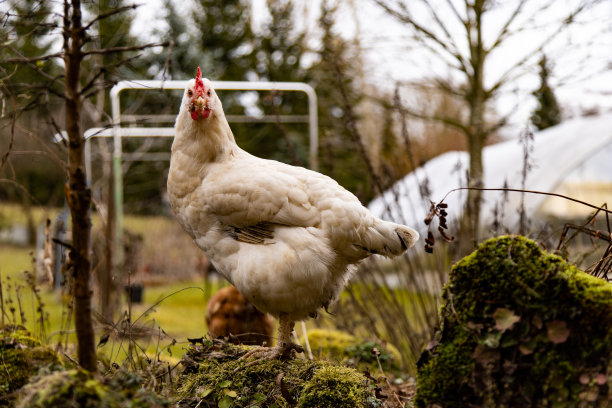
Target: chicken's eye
190,92
208,93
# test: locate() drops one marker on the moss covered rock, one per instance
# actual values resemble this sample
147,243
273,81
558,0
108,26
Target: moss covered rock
339,346
214,375
80,389
519,328
21,356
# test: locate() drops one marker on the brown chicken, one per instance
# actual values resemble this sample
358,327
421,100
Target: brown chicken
229,313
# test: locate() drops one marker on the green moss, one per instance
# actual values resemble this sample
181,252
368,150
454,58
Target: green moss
69,389
335,345
21,357
214,375
78,388
334,386
519,327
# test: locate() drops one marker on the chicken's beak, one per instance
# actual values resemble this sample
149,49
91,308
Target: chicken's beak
199,108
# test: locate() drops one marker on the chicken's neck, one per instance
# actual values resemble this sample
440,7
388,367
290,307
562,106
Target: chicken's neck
205,140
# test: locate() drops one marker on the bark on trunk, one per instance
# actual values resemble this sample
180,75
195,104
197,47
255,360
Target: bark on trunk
470,222
79,195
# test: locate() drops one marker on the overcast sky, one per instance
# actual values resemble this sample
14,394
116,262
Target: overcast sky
585,72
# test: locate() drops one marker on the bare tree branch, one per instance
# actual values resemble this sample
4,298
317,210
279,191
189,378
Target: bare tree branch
504,32
114,50
435,118
507,75
110,13
88,89
29,60
32,65
407,19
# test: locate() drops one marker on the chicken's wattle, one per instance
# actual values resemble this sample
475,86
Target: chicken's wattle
199,109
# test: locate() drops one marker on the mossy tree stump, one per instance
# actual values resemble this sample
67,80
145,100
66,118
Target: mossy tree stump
519,328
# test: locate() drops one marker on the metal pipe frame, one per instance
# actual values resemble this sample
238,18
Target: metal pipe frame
118,131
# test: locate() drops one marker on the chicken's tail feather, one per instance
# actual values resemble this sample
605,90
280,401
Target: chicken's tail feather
407,236
389,239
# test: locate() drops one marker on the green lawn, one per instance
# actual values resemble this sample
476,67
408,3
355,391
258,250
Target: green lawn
177,307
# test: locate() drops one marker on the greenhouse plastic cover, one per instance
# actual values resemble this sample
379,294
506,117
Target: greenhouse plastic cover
578,149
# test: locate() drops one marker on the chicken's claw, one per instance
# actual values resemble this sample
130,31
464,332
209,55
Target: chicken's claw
280,352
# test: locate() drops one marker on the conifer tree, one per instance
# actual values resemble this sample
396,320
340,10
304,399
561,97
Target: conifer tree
226,38
340,153
186,53
280,48
547,113
27,95
25,31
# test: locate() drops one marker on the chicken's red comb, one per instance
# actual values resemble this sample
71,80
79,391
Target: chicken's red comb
199,85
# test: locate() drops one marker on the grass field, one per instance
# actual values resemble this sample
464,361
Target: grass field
177,307
174,303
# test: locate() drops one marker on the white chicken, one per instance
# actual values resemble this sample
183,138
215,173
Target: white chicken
288,238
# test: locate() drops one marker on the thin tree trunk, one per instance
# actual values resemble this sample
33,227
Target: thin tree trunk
79,195
470,222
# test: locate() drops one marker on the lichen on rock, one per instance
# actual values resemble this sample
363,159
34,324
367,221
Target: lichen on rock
214,375
519,327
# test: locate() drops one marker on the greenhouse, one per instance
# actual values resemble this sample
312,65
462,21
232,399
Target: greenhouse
573,159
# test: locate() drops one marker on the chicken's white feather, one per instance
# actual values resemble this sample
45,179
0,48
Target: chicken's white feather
287,237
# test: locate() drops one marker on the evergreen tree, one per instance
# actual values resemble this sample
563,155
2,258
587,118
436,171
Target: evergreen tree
25,31
547,113
223,44
226,38
340,155
279,51
113,31
186,54
28,93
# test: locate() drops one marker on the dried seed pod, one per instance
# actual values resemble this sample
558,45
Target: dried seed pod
447,238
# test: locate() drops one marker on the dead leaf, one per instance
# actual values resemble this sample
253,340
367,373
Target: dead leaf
537,322
504,319
557,331
601,379
484,355
491,340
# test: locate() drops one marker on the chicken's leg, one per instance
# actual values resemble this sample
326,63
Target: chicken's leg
284,345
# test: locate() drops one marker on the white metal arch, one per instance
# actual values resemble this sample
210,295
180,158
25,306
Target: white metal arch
118,131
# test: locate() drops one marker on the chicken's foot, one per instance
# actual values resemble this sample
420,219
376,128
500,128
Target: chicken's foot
284,347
